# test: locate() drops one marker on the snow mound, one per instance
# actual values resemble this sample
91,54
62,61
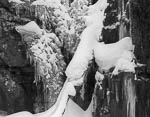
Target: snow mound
107,55
30,27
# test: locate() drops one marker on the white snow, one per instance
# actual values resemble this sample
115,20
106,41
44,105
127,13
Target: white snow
30,27
73,110
79,64
107,55
89,38
99,77
125,63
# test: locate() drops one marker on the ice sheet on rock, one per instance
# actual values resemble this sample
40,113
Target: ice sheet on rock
107,55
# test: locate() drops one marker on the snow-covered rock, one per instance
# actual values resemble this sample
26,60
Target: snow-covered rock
125,63
30,27
107,55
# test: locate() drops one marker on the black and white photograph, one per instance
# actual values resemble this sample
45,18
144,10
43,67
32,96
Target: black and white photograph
74,58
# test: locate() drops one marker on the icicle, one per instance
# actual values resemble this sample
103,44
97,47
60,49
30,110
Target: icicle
17,11
116,93
27,55
131,97
82,91
35,71
30,59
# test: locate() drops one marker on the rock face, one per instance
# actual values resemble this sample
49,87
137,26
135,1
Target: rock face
16,75
14,93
